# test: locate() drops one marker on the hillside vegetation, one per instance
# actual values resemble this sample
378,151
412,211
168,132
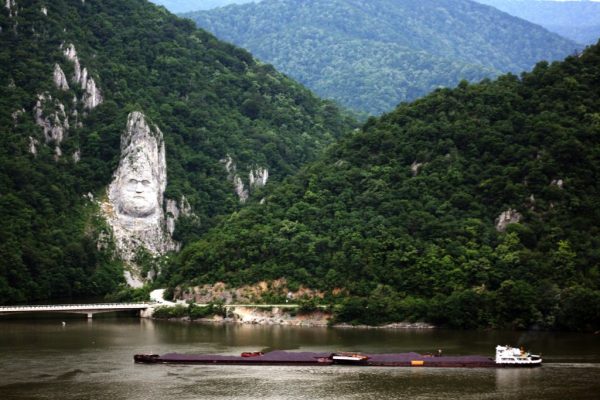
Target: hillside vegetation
399,220
210,99
369,56
576,20
179,6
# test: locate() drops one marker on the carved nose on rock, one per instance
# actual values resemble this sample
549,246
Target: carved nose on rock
139,187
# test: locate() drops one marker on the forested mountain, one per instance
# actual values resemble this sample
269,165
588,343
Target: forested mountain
473,206
576,20
371,55
70,73
180,6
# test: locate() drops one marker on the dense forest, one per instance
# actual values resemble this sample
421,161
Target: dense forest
576,20
210,99
180,6
369,56
401,221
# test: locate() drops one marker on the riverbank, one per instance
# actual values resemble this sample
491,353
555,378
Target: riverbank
288,317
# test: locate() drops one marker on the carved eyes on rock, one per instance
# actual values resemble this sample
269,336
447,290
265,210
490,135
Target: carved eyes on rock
134,182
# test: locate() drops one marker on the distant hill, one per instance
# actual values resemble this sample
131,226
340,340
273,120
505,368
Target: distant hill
473,206
369,56
215,104
180,6
576,20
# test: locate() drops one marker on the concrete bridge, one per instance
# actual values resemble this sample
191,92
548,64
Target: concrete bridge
87,309
91,309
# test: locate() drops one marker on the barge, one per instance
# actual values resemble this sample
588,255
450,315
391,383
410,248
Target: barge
506,356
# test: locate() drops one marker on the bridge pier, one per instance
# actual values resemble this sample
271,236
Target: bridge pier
90,315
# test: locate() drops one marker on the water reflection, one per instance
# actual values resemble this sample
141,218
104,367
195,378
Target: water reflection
42,359
515,379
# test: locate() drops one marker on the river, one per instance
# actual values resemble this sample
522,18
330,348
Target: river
41,359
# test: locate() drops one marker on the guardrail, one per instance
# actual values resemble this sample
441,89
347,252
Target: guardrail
57,307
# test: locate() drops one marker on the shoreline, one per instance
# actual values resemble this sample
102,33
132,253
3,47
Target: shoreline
299,322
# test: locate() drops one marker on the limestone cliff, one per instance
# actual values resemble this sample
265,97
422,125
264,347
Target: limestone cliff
257,178
134,208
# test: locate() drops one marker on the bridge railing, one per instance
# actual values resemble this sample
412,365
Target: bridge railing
76,306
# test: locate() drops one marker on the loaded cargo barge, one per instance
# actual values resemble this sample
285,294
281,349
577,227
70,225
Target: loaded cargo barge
505,357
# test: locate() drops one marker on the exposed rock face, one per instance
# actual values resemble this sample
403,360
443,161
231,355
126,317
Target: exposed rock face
56,124
92,96
11,6
557,182
60,80
174,211
16,114
33,146
506,218
414,167
135,197
44,11
257,178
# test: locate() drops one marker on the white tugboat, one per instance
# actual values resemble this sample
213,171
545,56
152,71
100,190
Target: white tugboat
512,356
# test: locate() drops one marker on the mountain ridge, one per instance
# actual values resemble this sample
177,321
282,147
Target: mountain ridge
470,207
211,100
370,56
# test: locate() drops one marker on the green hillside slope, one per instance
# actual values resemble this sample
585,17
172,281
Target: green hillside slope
179,6
210,99
404,216
369,56
576,20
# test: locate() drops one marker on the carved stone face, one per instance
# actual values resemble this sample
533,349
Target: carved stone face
138,191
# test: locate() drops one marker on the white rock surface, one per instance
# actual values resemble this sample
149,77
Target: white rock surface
56,124
33,145
135,197
44,11
506,218
257,178
60,80
16,114
92,96
557,182
414,167
10,6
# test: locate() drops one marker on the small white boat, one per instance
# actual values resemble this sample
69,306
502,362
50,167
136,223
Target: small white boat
512,356
349,358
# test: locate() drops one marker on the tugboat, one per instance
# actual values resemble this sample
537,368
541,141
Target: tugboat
513,357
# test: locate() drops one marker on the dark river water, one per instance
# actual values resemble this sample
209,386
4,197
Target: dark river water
41,359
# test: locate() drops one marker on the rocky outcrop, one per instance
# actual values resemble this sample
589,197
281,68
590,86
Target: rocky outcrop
11,6
257,178
55,123
247,294
33,146
175,210
278,316
134,208
92,96
506,218
60,80
415,167
16,115
558,183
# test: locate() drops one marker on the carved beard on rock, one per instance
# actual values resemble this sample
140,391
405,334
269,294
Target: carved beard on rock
138,191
